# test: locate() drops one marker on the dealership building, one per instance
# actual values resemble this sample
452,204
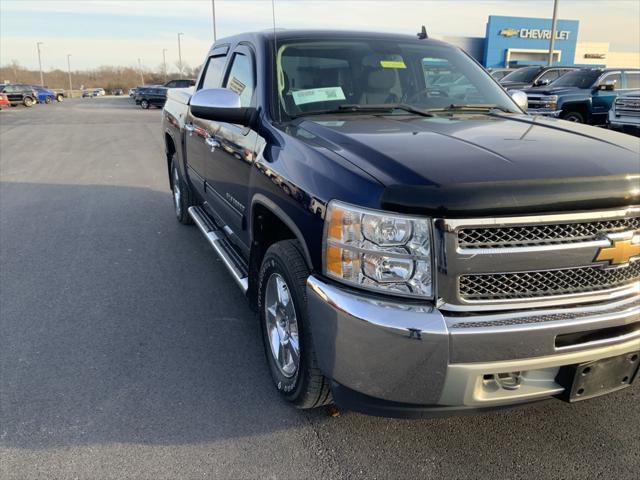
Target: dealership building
517,41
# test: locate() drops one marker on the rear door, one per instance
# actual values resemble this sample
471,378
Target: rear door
232,155
197,130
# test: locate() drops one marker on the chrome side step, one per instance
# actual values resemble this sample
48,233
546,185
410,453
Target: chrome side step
222,247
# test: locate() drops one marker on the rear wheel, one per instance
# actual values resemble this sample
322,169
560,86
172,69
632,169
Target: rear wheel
144,104
47,100
182,196
573,117
59,97
286,329
28,101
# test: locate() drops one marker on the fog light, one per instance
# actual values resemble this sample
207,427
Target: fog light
509,381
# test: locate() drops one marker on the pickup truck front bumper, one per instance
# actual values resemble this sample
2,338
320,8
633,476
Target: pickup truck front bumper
544,112
398,358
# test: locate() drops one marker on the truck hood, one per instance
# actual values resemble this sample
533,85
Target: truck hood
550,90
487,164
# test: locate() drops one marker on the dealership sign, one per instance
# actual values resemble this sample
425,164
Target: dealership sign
534,33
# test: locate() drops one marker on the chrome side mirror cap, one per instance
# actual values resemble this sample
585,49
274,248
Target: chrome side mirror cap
520,98
609,85
220,105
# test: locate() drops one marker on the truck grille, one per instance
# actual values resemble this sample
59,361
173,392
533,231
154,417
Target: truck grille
628,106
530,235
505,286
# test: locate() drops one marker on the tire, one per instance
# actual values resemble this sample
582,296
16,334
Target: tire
284,269
182,195
47,100
144,104
28,101
60,97
572,117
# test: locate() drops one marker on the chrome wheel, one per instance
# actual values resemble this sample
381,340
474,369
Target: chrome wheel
176,192
282,325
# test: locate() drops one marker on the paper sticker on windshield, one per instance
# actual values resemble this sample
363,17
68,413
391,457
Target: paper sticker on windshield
313,95
236,85
392,64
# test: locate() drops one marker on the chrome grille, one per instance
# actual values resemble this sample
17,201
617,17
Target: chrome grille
534,284
529,235
627,106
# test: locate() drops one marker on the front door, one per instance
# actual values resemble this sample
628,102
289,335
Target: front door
232,152
602,100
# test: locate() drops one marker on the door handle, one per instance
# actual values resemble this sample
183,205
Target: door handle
212,142
189,128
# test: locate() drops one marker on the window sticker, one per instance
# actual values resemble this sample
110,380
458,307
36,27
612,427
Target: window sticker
236,85
392,64
314,95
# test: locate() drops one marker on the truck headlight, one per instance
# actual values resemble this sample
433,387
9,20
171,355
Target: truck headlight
549,101
380,251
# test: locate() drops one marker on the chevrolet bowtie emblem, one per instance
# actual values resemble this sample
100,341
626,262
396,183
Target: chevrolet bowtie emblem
620,253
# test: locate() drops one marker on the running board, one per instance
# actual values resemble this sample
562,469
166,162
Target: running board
222,247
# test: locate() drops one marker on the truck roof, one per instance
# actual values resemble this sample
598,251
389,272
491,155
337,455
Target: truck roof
264,36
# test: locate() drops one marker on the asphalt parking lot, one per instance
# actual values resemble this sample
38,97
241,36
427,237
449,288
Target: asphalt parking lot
127,351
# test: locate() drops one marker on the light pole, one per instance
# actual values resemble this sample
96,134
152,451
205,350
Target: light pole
553,31
164,63
180,54
213,14
141,76
69,70
40,63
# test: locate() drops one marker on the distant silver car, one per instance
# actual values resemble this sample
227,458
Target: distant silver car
625,112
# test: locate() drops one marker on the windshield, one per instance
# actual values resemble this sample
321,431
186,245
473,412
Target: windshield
524,75
578,78
317,76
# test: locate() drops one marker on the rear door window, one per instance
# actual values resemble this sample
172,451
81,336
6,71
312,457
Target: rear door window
214,71
633,80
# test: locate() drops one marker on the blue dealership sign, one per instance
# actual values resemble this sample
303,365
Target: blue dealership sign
512,41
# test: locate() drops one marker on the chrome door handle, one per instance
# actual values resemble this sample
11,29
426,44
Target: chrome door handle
189,127
212,142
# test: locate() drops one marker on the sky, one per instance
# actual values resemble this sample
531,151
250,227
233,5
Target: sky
118,32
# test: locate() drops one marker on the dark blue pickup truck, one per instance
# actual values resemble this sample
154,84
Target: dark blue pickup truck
413,242
583,96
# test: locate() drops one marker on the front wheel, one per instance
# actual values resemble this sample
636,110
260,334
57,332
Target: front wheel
286,331
59,97
144,104
28,102
47,100
573,117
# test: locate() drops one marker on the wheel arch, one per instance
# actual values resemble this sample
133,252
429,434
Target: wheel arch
281,227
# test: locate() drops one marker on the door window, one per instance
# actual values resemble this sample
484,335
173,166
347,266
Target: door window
633,80
549,75
241,78
214,71
613,77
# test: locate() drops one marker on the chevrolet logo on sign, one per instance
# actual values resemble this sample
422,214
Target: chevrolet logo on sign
509,32
621,252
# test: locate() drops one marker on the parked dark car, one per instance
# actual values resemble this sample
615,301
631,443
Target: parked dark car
154,96
89,93
20,94
526,77
117,92
583,96
408,253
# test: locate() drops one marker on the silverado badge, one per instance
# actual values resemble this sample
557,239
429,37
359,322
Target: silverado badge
620,252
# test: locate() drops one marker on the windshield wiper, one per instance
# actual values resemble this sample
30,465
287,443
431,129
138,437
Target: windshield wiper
355,108
483,107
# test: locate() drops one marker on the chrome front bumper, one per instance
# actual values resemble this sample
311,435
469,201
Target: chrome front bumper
544,112
406,353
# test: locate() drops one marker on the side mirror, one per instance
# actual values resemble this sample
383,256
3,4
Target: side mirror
543,81
520,98
609,85
220,105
